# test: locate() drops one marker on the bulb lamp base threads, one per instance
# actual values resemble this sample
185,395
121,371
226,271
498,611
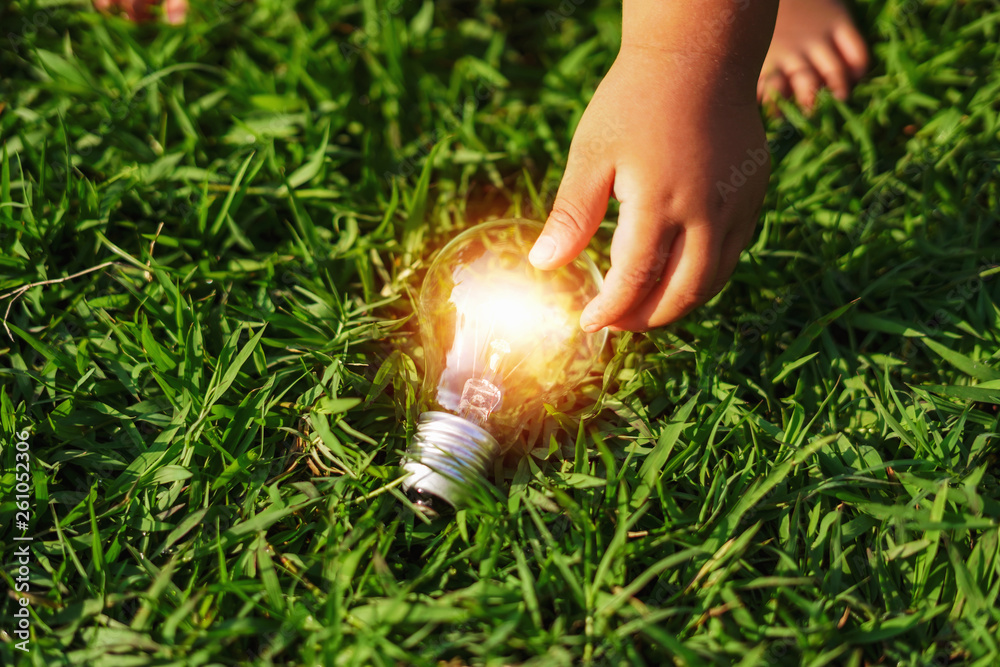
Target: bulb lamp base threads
447,458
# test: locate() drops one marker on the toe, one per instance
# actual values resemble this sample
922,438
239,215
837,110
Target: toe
175,10
136,10
852,49
826,60
773,87
804,80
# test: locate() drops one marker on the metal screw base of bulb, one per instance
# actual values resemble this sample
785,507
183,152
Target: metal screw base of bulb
447,458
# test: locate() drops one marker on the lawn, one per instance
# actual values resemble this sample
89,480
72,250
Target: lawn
214,366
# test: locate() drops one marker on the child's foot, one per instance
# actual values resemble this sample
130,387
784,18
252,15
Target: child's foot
815,44
138,10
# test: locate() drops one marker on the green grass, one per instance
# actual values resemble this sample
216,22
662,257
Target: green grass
801,472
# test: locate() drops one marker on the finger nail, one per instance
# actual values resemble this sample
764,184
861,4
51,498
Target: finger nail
588,322
544,251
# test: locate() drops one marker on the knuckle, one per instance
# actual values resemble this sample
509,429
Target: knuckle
568,217
643,276
639,278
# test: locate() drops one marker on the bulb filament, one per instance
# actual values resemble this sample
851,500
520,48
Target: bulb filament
481,396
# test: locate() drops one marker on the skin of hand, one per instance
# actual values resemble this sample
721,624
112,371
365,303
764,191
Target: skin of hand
174,11
675,134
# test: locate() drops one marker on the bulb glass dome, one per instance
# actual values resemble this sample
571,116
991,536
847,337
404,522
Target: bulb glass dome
500,339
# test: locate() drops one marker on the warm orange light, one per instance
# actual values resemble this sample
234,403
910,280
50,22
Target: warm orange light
500,339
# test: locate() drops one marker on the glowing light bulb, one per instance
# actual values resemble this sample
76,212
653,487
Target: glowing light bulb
500,339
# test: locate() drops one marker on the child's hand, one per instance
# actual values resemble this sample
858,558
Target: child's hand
687,158
138,10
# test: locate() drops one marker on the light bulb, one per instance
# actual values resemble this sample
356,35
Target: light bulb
500,339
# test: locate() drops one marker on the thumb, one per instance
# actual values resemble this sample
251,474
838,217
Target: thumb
581,202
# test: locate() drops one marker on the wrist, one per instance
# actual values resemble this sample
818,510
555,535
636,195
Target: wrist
697,79
720,41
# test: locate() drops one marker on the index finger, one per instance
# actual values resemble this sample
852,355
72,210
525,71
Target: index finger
640,251
687,282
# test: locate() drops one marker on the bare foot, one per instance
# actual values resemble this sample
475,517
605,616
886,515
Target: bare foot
138,10
815,44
